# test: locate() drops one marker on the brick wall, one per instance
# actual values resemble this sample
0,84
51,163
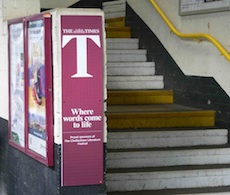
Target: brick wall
201,92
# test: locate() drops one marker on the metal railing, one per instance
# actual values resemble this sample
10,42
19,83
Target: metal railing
199,36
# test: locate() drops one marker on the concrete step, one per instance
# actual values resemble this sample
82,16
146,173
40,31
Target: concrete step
151,179
167,157
114,9
158,116
118,32
140,97
122,43
126,55
166,138
135,82
131,68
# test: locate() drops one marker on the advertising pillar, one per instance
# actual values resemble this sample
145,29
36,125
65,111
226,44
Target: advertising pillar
82,101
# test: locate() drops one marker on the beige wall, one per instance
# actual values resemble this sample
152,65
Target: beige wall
193,57
19,8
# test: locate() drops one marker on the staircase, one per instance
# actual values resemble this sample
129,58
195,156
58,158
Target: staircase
154,145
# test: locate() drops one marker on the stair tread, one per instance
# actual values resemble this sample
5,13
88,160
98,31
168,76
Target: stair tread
126,52
151,108
200,147
137,78
132,64
164,129
134,93
114,28
114,19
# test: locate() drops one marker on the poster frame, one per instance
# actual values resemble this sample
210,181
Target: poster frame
48,158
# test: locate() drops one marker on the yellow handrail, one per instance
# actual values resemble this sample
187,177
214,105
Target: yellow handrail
222,50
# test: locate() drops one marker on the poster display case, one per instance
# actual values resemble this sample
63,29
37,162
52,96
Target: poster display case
30,87
57,91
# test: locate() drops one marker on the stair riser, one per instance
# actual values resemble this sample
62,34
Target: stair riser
112,3
140,100
167,158
115,15
118,22
116,121
168,180
122,45
131,64
140,97
130,71
169,139
132,85
114,8
114,33
126,58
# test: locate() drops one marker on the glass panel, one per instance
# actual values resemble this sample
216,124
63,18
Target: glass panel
37,133
17,84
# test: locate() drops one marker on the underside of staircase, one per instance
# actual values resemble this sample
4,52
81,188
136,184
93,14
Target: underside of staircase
154,145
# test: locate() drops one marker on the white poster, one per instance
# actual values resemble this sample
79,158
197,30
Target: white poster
17,84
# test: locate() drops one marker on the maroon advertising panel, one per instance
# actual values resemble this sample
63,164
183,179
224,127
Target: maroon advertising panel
82,100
